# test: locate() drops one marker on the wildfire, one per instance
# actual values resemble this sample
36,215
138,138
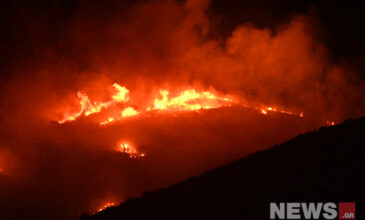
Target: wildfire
129,112
129,149
186,100
330,123
87,107
107,121
103,207
265,110
121,95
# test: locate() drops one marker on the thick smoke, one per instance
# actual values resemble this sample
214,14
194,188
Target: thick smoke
53,171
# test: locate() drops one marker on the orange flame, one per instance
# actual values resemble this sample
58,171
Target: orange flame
122,95
88,108
265,110
187,100
111,119
103,207
129,112
129,149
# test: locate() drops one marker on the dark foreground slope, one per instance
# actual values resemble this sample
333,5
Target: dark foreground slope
320,166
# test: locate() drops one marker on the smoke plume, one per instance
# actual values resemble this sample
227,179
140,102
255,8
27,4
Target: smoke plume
58,171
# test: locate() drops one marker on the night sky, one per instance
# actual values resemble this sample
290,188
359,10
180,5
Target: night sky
296,56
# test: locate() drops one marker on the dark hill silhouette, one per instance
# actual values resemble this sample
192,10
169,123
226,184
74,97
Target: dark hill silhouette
320,166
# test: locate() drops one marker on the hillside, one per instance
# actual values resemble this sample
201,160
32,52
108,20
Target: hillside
324,165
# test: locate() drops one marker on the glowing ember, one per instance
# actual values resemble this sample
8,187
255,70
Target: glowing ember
330,123
107,121
127,112
265,110
129,149
105,206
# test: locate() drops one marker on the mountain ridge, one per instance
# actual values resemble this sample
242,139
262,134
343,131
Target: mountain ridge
320,166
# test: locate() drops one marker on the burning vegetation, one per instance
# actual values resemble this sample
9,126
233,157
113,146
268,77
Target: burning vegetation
104,206
187,100
113,104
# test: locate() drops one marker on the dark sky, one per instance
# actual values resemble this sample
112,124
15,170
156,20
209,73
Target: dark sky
28,25
342,22
304,56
